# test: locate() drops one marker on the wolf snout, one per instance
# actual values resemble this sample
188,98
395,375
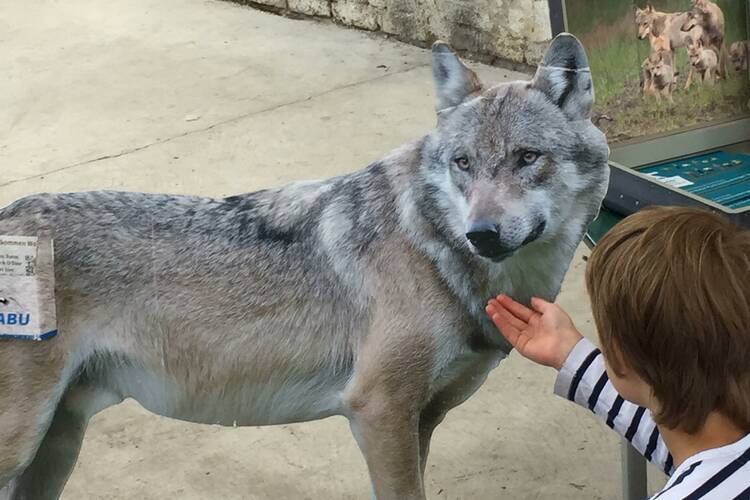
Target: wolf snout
483,231
486,237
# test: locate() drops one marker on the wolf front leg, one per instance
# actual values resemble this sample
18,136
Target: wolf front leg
710,76
384,403
389,440
428,421
667,93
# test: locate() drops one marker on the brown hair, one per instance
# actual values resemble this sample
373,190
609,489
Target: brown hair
670,292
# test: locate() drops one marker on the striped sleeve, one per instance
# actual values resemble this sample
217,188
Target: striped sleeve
583,380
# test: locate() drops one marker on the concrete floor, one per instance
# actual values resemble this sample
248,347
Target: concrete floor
211,98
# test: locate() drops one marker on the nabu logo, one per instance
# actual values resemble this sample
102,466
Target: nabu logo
14,319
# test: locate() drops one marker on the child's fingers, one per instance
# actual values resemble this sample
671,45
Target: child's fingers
510,318
506,328
493,304
494,307
518,310
541,305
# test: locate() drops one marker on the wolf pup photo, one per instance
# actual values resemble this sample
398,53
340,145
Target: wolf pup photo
663,66
314,299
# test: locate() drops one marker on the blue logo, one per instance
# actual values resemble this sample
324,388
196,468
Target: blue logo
15,319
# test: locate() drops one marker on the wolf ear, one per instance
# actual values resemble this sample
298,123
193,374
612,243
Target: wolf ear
564,76
454,82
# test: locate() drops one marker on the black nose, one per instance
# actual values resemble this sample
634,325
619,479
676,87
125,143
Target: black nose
485,237
483,234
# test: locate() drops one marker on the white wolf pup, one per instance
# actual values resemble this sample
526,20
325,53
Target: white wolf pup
317,298
705,62
738,53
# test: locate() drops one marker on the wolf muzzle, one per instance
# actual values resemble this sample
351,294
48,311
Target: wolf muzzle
486,237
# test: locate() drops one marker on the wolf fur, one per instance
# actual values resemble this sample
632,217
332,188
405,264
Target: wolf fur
359,295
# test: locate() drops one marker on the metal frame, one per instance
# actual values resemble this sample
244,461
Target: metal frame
638,153
557,16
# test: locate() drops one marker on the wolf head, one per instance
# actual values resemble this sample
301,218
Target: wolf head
695,49
738,54
692,21
512,164
643,20
699,15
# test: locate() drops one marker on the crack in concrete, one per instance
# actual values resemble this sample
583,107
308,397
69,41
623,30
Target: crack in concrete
214,125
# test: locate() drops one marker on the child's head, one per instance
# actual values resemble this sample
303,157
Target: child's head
670,293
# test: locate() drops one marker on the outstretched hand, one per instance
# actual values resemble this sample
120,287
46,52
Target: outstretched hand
544,334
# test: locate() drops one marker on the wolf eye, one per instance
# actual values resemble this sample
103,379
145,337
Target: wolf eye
529,157
462,163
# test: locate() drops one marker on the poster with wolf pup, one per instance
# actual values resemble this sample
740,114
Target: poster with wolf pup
666,65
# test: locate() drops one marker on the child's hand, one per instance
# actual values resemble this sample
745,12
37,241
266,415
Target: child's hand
545,335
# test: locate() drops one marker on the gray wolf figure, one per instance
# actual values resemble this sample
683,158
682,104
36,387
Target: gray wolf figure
311,300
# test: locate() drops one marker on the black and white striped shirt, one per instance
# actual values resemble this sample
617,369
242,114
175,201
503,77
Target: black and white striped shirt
721,473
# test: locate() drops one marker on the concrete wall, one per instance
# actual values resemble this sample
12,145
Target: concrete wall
512,30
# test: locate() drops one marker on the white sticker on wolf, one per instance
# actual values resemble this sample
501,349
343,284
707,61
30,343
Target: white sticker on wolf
27,289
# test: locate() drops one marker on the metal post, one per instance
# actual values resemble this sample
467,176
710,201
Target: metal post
634,475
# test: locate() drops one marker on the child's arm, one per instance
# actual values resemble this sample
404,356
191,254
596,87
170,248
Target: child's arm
546,335
583,379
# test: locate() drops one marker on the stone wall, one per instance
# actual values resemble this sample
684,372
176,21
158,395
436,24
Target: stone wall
511,30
